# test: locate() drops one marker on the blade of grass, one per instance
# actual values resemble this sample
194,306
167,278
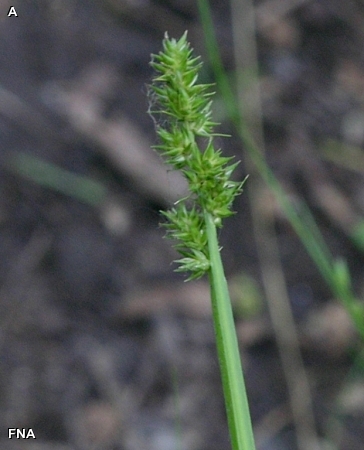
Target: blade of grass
51,176
318,252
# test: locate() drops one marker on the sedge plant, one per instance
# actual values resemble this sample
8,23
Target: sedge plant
181,109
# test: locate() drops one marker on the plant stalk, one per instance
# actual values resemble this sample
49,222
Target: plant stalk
236,401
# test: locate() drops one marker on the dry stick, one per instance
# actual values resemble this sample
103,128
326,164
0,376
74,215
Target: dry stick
245,51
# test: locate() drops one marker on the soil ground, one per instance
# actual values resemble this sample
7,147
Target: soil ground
102,345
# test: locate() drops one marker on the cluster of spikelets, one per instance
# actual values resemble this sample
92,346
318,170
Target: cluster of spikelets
184,115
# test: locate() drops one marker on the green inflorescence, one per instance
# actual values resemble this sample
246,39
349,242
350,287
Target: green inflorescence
184,113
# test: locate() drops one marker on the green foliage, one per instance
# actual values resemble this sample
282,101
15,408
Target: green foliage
183,108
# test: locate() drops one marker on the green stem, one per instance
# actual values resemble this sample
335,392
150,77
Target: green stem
236,401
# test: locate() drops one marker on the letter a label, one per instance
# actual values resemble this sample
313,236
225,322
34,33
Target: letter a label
12,12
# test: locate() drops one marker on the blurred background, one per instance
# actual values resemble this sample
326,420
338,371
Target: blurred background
102,345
